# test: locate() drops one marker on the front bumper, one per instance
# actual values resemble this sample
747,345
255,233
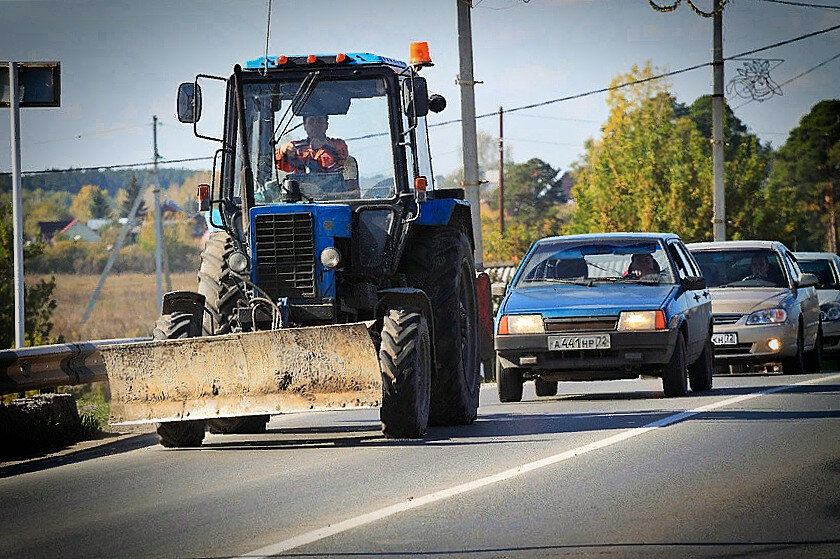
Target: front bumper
752,345
630,354
831,338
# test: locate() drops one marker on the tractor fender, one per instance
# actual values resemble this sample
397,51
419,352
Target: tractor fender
407,296
447,211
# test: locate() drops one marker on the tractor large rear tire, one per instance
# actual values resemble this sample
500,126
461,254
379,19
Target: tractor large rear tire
406,365
221,296
178,434
439,260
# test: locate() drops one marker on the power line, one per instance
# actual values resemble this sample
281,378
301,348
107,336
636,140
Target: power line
803,4
106,167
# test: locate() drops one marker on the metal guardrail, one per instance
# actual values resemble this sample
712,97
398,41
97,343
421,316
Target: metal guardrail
48,366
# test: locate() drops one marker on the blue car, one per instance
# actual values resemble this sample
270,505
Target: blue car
602,307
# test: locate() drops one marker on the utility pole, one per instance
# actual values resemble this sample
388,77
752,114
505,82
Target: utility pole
17,203
158,227
501,174
718,192
468,135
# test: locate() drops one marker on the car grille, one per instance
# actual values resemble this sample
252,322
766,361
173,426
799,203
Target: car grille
726,318
599,324
737,349
285,253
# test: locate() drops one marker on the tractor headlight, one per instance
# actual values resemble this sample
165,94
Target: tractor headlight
238,262
830,312
330,257
767,316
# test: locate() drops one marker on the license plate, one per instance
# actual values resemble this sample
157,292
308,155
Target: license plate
601,341
725,339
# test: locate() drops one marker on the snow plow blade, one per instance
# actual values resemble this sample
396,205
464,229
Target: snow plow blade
266,372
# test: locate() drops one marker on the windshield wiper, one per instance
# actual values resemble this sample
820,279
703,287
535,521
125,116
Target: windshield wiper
616,279
307,86
583,282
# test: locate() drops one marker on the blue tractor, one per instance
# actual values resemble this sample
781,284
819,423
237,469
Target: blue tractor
323,213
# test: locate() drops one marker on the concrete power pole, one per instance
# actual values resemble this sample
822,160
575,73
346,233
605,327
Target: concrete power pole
501,173
17,204
468,135
158,228
718,192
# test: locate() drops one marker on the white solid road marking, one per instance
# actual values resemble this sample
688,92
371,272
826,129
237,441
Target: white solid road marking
350,523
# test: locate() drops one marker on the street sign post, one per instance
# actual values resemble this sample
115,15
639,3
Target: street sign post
24,84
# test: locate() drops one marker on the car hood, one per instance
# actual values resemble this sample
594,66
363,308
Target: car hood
828,296
577,300
745,300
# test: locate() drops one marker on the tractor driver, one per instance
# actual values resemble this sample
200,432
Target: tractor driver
319,154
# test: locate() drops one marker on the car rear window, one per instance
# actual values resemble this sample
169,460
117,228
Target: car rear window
741,268
615,260
823,270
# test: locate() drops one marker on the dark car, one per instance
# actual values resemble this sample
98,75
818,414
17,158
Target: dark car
605,306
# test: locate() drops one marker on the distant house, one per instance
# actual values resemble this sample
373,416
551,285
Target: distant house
97,224
78,231
50,228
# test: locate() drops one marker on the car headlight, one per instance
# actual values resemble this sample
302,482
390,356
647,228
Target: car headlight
829,312
521,324
330,257
767,316
634,321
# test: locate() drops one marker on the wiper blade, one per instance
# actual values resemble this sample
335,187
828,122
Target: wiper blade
584,282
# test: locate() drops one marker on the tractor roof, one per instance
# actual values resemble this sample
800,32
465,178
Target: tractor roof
321,60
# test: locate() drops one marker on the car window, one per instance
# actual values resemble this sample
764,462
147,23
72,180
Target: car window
608,260
792,266
724,268
825,272
683,269
688,264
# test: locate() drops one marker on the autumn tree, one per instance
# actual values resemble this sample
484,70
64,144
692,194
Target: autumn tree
132,189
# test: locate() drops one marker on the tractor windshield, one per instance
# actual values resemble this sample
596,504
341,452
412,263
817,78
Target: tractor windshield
331,136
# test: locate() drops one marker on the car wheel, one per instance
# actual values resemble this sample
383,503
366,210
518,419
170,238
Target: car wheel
674,381
700,372
545,387
796,365
813,358
509,382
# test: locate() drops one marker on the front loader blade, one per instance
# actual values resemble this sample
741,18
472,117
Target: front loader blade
273,371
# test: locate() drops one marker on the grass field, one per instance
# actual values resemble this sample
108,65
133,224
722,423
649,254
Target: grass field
125,308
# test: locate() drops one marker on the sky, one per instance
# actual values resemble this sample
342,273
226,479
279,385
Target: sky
122,61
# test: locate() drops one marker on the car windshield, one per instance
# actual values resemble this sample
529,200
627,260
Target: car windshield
741,268
823,270
332,137
591,261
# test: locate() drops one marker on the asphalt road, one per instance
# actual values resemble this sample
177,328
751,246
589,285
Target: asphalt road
608,469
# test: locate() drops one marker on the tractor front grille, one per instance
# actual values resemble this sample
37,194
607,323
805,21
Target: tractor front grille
285,252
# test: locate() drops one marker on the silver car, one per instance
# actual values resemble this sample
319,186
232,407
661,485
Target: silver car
826,266
765,310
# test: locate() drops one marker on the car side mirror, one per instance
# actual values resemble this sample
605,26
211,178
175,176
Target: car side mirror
498,289
693,283
415,97
189,102
807,280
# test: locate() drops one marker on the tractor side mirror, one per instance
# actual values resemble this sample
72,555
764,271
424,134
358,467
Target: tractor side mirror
415,97
437,103
189,102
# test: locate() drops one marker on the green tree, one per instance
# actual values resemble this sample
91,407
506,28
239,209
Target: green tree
132,189
38,300
805,180
91,203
